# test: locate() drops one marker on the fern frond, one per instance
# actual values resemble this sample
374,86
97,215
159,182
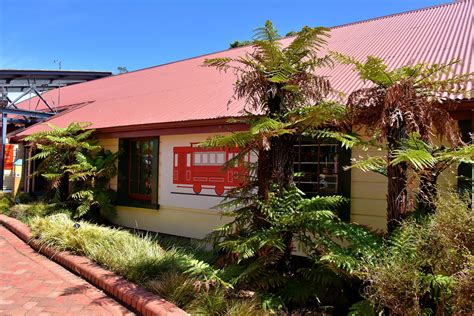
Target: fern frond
373,163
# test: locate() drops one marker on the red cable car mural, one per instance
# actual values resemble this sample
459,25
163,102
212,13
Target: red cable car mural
202,168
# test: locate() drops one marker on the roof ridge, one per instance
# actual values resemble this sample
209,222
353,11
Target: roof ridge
399,13
284,37
249,45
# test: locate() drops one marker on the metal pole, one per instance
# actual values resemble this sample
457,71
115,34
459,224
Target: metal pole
2,148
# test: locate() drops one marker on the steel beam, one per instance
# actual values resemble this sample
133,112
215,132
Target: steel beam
41,86
42,99
26,113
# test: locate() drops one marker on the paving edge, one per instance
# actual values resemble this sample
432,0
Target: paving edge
138,298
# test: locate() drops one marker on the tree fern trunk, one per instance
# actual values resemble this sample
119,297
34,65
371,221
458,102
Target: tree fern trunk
263,182
282,153
64,188
280,169
396,196
397,180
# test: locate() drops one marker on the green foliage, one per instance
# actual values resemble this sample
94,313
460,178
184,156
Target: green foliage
25,212
24,198
424,267
284,72
253,255
284,101
425,77
236,44
5,204
24,207
78,169
362,308
217,302
397,103
91,175
173,273
178,288
423,162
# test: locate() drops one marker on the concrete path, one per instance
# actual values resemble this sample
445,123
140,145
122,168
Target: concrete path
30,284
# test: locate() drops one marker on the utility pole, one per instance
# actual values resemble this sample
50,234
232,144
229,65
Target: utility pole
60,64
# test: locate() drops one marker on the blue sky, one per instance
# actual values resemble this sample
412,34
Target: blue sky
104,34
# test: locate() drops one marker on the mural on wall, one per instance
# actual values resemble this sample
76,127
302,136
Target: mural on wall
201,172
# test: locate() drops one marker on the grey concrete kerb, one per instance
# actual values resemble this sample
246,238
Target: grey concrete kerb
128,293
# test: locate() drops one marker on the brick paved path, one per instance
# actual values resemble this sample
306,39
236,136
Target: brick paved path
30,284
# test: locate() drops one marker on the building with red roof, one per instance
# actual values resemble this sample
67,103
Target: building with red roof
158,114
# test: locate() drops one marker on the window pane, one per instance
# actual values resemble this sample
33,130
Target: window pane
197,158
220,158
317,165
141,168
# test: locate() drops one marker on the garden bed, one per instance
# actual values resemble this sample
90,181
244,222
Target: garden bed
167,266
131,295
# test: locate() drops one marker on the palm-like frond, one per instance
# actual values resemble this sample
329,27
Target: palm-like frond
372,163
347,140
318,116
267,33
418,158
411,95
306,41
269,69
70,154
462,154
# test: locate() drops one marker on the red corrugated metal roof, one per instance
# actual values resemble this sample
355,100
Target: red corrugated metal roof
183,90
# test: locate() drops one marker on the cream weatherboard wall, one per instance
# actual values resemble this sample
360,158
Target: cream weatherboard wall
111,144
368,194
186,214
369,190
181,212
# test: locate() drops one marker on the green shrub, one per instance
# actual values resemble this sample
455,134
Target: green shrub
76,167
25,212
115,249
245,307
173,273
213,302
177,287
5,204
24,198
24,208
427,267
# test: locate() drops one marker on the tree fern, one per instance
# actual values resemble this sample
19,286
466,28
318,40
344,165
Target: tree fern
402,101
77,168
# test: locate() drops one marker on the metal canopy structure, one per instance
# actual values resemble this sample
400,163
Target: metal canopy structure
27,83
19,80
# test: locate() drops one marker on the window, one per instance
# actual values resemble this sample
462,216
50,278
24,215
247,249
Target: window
209,158
141,169
320,168
138,172
318,165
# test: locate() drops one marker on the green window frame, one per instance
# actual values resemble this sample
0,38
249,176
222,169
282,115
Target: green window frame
138,172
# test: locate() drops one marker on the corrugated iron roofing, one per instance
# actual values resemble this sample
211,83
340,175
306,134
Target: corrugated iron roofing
184,91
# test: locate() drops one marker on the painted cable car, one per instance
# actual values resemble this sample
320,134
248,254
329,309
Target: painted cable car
202,168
